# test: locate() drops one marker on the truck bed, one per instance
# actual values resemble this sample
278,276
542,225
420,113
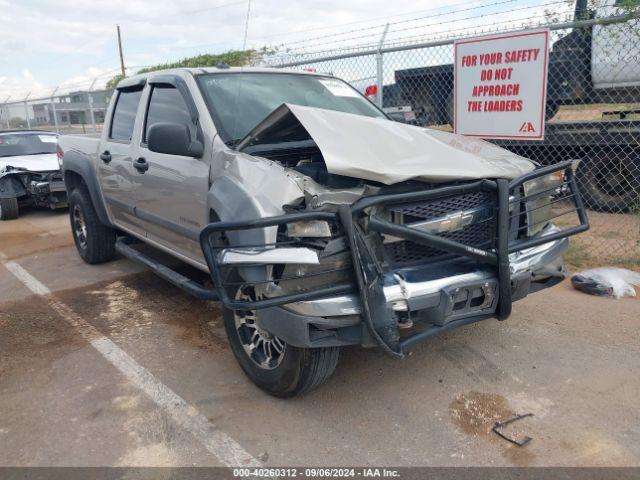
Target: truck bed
85,144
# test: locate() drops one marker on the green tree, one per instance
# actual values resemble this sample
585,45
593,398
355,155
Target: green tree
233,58
111,84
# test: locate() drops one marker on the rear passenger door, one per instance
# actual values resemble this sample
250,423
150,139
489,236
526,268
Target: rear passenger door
171,193
115,170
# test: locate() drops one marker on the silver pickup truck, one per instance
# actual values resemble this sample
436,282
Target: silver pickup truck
320,222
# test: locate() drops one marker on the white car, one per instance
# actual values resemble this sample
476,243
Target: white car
29,172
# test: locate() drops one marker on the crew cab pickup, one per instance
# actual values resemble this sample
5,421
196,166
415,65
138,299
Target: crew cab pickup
321,222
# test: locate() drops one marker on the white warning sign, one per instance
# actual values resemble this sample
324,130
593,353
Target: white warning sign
500,85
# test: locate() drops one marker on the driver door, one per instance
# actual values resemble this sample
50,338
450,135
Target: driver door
171,190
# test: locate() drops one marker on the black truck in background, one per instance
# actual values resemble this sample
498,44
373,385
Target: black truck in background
589,65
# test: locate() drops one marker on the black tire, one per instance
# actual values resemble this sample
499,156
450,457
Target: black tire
96,242
299,370
609,182
8,208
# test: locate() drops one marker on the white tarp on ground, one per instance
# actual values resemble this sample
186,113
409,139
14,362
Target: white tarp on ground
390,152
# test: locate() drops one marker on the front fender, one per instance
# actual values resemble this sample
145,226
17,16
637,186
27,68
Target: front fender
251,188
11,186
230,200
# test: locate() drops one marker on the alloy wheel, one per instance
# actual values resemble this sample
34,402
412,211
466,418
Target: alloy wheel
264,349
79,226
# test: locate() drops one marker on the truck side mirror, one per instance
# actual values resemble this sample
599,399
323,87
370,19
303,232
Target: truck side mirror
173,139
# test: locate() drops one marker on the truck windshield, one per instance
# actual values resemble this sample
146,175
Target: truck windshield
240,101
14,144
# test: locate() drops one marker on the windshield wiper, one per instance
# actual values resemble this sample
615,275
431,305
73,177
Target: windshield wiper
233,143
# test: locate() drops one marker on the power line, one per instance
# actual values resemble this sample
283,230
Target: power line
502,2
298,42
427,24
213,7
326,27
423,37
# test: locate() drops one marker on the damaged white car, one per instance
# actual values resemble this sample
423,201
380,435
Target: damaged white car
320,222
29,172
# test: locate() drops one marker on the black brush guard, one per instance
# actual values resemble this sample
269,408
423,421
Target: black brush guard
367,274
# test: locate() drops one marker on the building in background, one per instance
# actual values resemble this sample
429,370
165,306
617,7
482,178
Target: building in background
73,109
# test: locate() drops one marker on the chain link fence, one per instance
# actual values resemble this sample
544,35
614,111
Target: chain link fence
80,111
593,112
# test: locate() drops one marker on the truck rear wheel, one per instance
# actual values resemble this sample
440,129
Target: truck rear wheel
276,367
94,241
610,182
8,208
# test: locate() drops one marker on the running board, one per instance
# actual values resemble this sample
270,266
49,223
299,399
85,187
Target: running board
194,288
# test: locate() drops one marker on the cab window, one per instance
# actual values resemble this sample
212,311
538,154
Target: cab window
124,115
166,105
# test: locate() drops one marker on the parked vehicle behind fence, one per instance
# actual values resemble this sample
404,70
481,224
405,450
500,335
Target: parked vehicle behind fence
594,63
321,222
29,172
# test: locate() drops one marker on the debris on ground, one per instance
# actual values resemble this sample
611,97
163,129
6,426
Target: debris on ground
498,426
607,281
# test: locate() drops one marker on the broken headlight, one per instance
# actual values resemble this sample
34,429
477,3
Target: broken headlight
538,194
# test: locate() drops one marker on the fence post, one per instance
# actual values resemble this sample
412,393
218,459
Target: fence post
53,110
26,110
93,118
380,67
6,111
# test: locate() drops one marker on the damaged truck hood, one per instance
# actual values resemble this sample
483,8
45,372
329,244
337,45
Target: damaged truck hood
385,151
42,162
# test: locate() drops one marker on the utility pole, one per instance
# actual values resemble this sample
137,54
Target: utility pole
120,49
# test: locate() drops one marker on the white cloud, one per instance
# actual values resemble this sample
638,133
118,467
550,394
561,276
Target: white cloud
18,87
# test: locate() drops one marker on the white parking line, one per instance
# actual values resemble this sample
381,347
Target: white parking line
227,450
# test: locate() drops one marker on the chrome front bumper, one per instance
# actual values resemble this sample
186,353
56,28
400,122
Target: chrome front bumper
401,291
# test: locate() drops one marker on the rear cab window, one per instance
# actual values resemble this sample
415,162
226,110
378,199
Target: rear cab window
124,115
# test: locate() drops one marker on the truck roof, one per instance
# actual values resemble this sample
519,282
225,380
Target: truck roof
221,69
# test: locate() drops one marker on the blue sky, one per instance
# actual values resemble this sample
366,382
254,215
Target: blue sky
46,43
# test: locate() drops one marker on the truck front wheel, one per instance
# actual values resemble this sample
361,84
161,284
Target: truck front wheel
8,208
276,367
94,241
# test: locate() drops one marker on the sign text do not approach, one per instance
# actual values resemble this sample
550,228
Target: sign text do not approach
500,85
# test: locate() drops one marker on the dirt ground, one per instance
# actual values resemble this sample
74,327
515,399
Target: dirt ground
570,359
612,240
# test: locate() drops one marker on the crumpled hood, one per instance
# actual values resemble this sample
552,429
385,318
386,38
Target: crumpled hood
43,162
390,152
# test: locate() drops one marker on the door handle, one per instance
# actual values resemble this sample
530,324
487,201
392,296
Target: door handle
141,164
105,156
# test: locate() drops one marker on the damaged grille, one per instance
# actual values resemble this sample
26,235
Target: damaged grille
468,219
